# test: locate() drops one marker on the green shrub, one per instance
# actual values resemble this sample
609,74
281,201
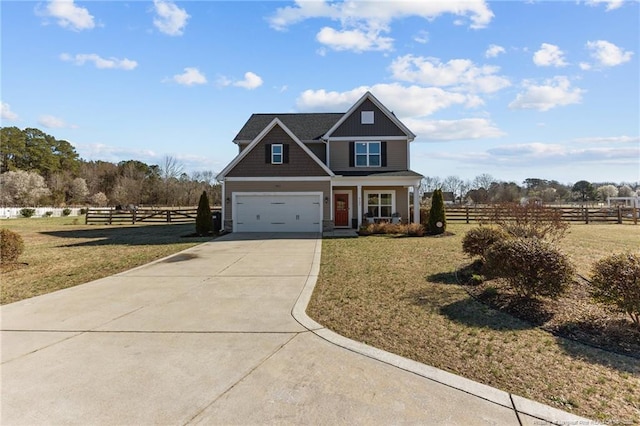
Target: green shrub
437,222
27,212
66,211
83,211
530,266
204,221
48,214
478,240
11,246
615,281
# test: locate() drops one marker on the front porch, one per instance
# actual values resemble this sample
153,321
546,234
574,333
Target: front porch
359,200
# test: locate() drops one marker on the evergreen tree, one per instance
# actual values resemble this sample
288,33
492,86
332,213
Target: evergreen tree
437,217
204,222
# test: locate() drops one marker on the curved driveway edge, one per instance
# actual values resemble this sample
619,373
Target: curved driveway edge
523,407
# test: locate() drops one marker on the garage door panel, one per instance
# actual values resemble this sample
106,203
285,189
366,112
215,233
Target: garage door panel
278,213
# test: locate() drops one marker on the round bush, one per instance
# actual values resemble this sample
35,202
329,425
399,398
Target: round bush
26,212
531,267
477,240
615,281
11,246
66,211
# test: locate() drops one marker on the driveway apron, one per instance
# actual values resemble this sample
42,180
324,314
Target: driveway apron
217,334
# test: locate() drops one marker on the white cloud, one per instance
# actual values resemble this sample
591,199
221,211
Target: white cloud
609,139
404,101
251,81
608,54
462,74
189,77
69,15
422,37
356,40
99,62
51,122
6,113
448,130
553,93
584,66
170,18
362,23
493,51
549,55
611,4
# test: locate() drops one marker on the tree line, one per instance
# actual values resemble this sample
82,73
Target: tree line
485,189
38,169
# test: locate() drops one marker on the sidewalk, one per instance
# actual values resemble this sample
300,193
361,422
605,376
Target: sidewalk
217,334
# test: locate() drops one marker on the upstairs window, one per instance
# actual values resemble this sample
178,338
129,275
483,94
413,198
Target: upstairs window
366,117
367,154
276,153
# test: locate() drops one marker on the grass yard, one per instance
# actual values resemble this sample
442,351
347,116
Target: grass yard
61,252
401,295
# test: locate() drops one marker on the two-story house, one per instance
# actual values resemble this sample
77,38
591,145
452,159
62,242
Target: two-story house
319,171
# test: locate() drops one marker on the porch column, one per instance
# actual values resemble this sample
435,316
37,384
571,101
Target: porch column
416,205
359,201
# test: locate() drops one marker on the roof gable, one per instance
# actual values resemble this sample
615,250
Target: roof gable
394,126
265,131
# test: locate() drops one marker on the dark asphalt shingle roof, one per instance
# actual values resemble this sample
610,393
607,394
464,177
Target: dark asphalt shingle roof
307,126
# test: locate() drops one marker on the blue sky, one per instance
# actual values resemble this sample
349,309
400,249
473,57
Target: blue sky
514,89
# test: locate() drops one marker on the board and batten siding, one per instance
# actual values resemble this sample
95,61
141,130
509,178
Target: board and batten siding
396,156
280,186
382,125
254,164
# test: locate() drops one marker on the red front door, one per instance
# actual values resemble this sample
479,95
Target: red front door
341,205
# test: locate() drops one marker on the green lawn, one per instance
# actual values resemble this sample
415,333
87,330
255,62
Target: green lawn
401,295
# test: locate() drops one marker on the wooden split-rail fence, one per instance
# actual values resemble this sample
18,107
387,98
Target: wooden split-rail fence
620,214
112,216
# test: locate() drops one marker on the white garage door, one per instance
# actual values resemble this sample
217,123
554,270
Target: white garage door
278,213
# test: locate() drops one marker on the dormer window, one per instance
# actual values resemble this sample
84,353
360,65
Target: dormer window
366,117
277,153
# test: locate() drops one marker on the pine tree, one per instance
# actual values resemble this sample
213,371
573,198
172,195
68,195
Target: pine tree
437,217
204,222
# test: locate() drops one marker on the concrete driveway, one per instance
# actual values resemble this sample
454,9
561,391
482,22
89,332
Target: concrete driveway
217,334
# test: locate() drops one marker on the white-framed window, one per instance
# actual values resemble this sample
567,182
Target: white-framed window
277,153
366,117
380,203
367,154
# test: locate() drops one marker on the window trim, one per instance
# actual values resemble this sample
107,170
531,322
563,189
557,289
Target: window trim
367,117
273,153
379,192
368,154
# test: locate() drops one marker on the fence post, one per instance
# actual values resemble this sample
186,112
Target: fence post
134,217
86,217
586,214
619,214
467,212
168,216
110,216
634,213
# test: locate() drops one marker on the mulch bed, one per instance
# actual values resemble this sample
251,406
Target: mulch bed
572,316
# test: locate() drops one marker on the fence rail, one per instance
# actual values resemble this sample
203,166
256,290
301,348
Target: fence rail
619,214
111,216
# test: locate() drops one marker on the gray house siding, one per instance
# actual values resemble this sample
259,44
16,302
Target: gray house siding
383,126
396,156
255,164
